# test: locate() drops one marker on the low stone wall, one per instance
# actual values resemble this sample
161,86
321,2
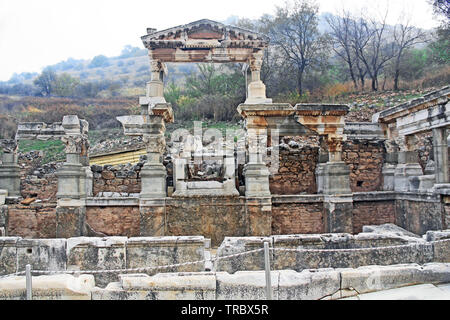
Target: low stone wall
314,256
320,284
94,253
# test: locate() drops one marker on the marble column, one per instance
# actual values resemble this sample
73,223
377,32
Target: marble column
256,88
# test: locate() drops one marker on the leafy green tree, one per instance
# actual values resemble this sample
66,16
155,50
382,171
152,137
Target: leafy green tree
65,85
46,82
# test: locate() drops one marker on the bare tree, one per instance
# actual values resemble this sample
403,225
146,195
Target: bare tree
405,37
341,35
372,46
360,35
294,30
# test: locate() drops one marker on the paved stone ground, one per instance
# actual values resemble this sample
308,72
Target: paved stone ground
416,292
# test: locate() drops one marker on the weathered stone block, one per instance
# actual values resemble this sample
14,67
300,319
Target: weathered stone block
8,255
54,287
233,245
162,251
308,284
93,253
42,254
245,285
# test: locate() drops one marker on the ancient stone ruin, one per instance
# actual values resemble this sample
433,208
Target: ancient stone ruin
294,170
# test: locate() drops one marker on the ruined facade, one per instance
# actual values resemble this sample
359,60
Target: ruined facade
298,169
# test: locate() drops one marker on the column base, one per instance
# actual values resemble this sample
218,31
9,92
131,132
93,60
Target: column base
402,174
256,180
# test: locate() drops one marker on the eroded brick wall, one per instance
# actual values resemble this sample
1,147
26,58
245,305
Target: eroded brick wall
372,213
114,221
365,159
292,218
37,220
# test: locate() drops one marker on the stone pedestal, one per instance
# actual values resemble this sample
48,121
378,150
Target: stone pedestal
407,167
70,218
256,180
388,173
259,216
71,181
10,174
336,178
153,181
3,219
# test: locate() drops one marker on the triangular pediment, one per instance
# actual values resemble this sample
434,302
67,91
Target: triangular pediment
204,29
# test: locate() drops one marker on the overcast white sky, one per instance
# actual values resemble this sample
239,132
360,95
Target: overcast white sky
36,33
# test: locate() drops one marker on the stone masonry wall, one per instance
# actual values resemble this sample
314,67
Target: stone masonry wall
365,159
116,179
297,163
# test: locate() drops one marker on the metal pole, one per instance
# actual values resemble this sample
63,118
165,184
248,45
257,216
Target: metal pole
28,282
267,267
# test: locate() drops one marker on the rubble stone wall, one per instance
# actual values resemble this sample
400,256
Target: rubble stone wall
296,173
365,159
123,179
